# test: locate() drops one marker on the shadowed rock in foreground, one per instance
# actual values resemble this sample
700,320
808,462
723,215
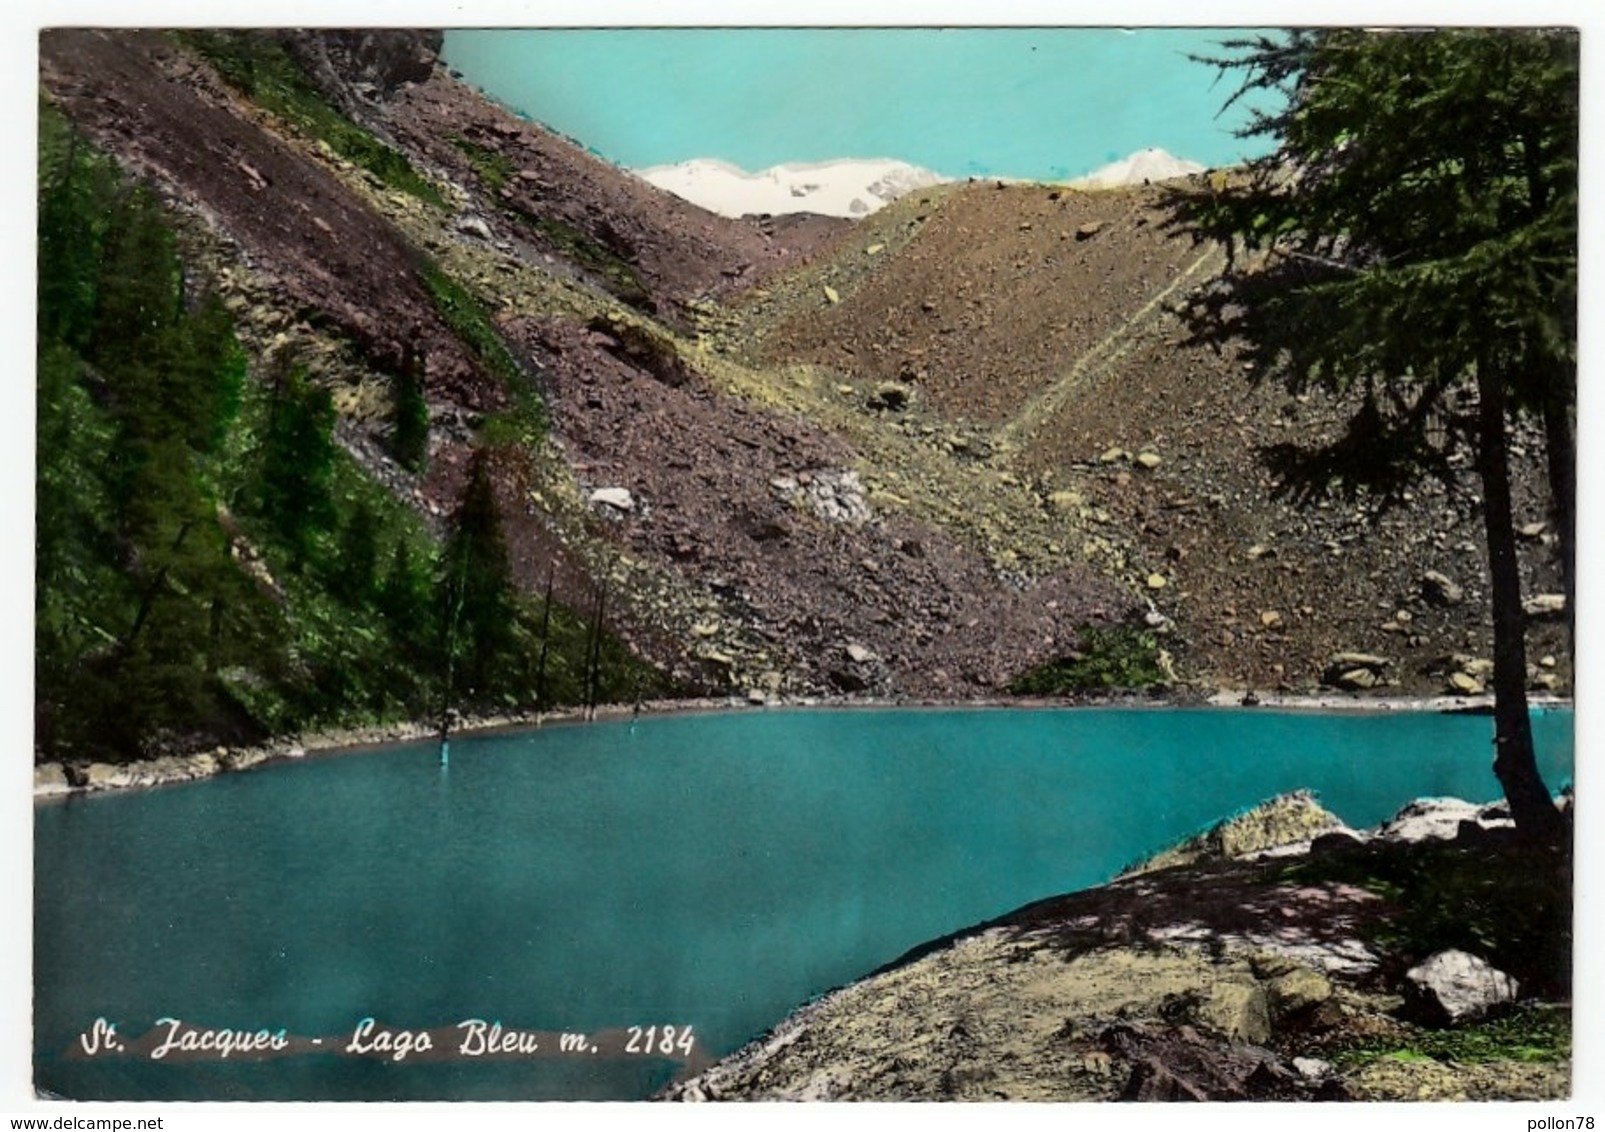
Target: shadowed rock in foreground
1268,964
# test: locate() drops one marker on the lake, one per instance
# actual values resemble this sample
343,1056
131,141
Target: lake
713,871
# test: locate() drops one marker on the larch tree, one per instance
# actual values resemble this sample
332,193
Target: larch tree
1414,237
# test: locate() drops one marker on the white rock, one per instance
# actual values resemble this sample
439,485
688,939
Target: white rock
1544,605
1453,987
1312,1068
106,776
1428,819
616,497
50,778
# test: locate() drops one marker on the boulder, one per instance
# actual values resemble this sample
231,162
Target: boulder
1544,605
1312,1068
1237,1012
242,759
1434,819
1150,460
1360,660
891,396
1438,589
50,778
617,498
1295,991
105,776
1337,841
1354,679
1288,820
1464,684
1455,987
1355,671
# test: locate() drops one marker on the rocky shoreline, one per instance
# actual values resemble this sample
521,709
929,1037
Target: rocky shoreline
54,780
1276,956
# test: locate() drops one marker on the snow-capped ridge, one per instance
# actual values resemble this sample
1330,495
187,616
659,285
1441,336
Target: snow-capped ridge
1144,166
849,187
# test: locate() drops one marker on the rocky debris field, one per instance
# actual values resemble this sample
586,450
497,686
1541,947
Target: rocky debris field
1275,957
1042,333
818,588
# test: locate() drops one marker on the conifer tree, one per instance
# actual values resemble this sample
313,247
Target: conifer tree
477,583
1420,215
356,565
297,462
410,417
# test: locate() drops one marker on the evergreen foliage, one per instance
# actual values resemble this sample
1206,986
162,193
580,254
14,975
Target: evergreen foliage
210,566
140,603
1419,225
355,578
1107,659
297,463
477,585
409,420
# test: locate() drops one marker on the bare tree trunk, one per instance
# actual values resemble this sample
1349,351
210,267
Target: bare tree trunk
1515,763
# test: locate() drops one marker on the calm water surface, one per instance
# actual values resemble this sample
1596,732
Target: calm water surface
714,870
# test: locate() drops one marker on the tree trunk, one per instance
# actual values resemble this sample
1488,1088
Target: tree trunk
1515,764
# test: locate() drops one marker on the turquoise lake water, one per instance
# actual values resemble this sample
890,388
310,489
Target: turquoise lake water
1044,103
714,871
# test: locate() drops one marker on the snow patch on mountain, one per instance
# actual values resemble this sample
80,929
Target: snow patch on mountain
849,187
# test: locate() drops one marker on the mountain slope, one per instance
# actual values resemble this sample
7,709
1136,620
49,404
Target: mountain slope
915,455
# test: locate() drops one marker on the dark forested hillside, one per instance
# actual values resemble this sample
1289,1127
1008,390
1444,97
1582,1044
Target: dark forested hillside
211,565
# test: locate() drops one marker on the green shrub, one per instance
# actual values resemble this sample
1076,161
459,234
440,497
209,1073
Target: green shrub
1529,1033
1113,657
491,167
